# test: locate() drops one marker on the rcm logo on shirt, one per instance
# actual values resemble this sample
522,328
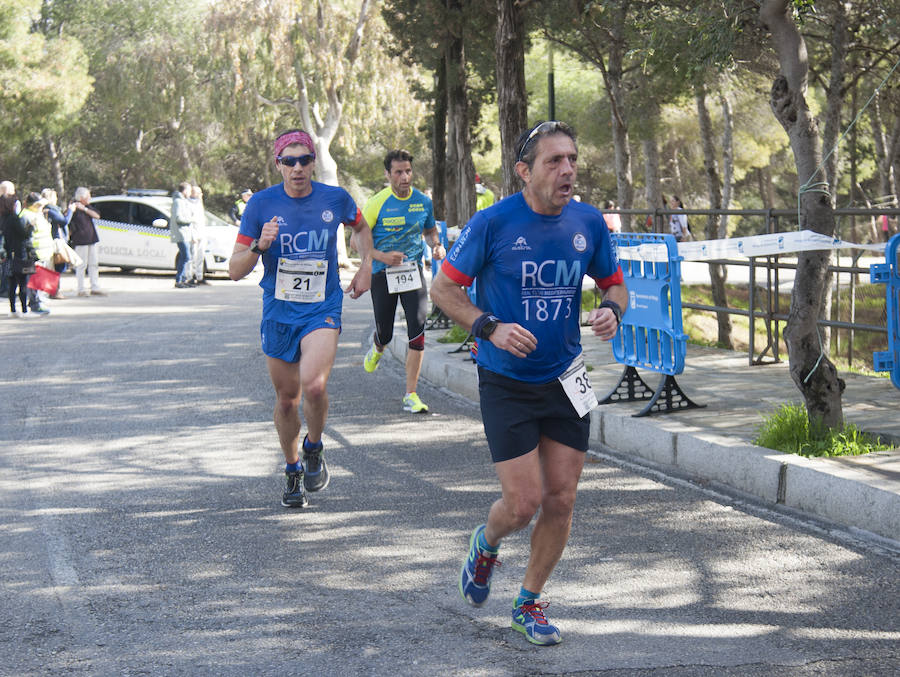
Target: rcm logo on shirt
559,273
303,242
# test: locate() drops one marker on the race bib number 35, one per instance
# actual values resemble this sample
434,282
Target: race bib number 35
578,387
404,277
301,281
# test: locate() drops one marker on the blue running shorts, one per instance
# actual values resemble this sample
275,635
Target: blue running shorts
516,414
282,341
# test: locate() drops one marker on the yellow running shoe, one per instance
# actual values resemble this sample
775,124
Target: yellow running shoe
412,403
370,364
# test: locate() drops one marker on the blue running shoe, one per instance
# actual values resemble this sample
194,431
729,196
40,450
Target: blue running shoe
475,576
529,619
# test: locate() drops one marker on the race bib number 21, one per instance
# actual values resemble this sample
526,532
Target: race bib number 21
301,281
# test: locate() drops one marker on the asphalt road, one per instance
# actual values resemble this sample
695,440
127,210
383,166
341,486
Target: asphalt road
142,533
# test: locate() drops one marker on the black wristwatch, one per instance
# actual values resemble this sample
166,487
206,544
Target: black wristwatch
615,307
484,325
254,247
489,327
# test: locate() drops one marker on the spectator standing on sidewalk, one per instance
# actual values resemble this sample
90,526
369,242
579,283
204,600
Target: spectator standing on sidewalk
7,207
84,238
16,245
237,209
400,216
59,229
180,233
612,219
198,236
530,253
484,196
293,226
678,223
41,236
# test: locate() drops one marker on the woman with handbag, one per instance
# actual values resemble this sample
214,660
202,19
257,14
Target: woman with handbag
41,235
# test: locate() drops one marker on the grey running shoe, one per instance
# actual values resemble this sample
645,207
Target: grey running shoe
294,496
316,477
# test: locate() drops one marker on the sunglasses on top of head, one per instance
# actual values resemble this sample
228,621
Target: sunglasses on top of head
291,160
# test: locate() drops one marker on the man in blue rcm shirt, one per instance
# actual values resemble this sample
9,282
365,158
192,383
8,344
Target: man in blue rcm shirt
399,216
530,253
293,227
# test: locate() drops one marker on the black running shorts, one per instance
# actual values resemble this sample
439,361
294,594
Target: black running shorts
516,414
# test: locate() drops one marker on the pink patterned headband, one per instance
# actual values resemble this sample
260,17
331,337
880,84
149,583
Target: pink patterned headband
291,138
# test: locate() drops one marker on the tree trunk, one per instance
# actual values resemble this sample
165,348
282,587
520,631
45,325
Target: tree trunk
439,142
461,170
727,161
894,160
624,182
834,98
512,97
653,192
56,168
811,370
884,151
324,129
650,147
717,272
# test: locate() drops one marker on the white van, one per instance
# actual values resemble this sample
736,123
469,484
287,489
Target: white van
134,233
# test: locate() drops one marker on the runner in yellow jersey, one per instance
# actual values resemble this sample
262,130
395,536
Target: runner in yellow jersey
399,215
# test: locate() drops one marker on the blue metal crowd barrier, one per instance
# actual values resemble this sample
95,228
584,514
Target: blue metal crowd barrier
651,334
888,273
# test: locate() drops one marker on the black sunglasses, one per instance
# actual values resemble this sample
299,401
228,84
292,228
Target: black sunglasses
291,160
539,130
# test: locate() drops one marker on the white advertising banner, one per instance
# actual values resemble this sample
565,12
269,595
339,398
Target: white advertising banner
743,247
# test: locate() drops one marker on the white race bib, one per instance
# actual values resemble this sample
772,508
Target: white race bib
578,386
404,277
301,281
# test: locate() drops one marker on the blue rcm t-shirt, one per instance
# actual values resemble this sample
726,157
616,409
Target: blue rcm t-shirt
398,223
307,230
530,268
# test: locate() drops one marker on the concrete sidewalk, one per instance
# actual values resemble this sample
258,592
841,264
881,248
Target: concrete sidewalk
713,444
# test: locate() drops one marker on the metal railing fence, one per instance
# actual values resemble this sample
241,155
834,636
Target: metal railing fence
764,298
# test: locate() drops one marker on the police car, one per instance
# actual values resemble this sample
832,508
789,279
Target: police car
134,233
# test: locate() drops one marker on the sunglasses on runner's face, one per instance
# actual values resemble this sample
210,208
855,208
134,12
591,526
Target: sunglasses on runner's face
291,160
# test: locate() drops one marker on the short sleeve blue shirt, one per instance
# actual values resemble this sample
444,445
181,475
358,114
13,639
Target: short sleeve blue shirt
307,230
530,269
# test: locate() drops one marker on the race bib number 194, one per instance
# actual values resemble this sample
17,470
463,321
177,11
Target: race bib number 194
301,281
404,277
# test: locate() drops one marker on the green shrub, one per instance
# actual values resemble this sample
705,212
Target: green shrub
788,430
455,334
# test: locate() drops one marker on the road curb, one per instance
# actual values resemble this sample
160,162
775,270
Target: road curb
837,490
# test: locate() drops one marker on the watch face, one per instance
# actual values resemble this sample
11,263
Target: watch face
488,328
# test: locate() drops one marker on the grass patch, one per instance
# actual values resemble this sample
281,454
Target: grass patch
455,334
788,430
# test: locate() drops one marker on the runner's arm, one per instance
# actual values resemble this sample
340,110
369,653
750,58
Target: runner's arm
362,241
433,238
243,260
603,321
453,300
